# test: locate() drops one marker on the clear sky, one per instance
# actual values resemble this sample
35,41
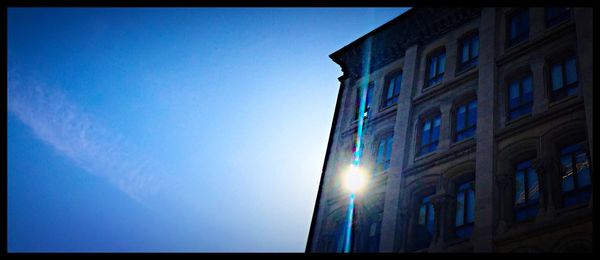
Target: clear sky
168,130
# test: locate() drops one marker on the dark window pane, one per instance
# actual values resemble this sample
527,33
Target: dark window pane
472,113
519,188
442,63
583,170
568,182
465,52
430,218
571,71
532,182
475,46
460,208
470,206
556,74
460,118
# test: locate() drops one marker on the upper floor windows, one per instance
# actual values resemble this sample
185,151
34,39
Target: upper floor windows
527,193
557,15
435,67
392,89
429,134
465,209
517,29
384,153
370,89
520,97
563,78
575,175
469,51
466,120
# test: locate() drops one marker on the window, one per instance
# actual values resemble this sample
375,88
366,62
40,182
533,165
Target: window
520,97
517,29
557,15
563,78
392,89
469,51
430,134
466,120
465,209
576,180
526,192
435,67
370,89
384,154
425,223
374,224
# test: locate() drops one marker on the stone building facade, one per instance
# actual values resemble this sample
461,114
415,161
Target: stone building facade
477,134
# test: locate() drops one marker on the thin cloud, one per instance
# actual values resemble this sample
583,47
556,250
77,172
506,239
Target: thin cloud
75,134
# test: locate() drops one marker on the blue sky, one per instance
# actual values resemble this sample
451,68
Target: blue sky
171,130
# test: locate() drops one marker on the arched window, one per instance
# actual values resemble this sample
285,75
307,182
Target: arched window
576,182
527,192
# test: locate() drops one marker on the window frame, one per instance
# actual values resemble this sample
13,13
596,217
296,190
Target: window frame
527,205
430,116
438,78
563,91
577,190
368,102
418,200
470,178
471,62
464,102
523,36
396,96
519,78
388,139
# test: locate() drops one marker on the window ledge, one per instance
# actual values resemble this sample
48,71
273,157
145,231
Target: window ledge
561,101
465,70
463,141
424,156
518,120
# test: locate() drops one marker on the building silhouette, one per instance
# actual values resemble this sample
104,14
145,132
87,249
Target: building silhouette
477,134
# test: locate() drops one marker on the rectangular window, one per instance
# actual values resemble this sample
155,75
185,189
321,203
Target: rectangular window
563,78
435,68
526,192
557,15
576,175
469,51
392,89
425,224
430,134
384,154
520,97
517,29
374,218
466,120
368,100
465,209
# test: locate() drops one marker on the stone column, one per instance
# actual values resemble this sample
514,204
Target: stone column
503,183
445,127
484,166
401,140
585,54
440,204
540,99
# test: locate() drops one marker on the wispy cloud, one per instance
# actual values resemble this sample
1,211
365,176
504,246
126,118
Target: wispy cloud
72,132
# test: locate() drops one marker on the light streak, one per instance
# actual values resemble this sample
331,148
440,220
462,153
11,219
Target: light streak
366,62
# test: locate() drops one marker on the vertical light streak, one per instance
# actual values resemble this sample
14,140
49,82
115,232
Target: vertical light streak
366,65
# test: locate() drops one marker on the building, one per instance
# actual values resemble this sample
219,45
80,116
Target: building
477,134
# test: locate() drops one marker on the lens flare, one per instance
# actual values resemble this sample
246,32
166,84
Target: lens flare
355,179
